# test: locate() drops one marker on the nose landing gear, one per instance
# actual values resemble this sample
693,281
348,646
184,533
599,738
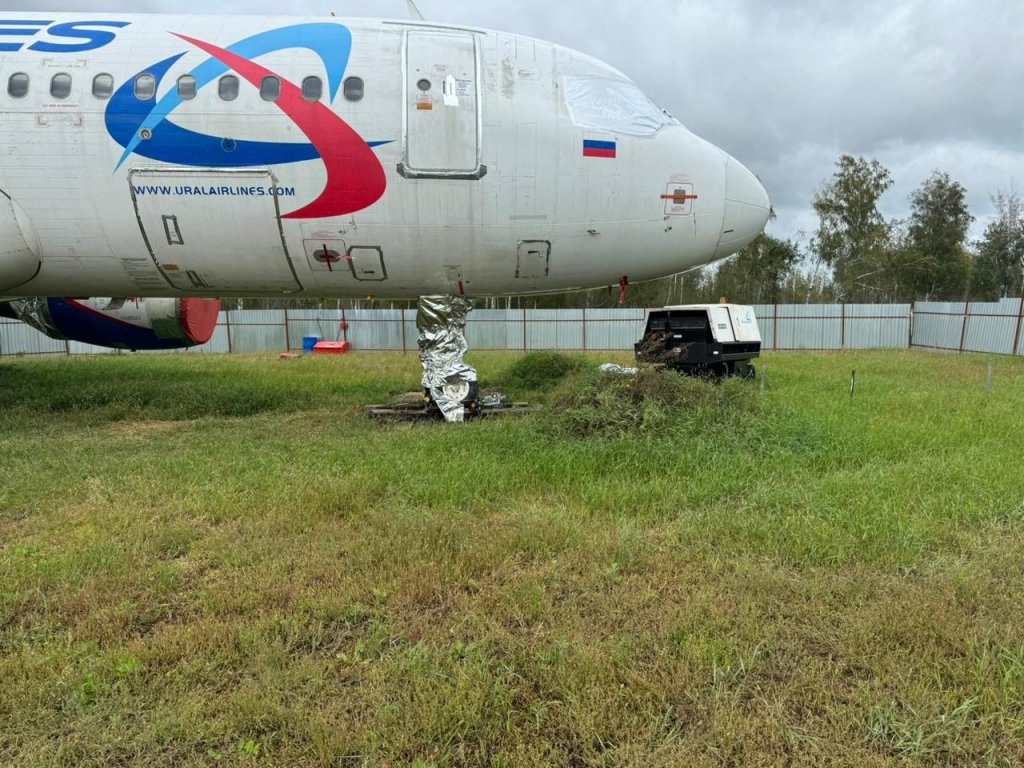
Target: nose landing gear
449,382
450,387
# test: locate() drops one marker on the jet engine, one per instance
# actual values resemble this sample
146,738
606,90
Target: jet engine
120,323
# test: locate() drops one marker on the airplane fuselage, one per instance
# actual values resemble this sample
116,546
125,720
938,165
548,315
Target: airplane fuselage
152,155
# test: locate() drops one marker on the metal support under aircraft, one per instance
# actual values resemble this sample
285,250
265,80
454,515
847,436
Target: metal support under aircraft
448,380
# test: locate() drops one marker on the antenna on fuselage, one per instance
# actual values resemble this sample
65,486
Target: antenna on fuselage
414,11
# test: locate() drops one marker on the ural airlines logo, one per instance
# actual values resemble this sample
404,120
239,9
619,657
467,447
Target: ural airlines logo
73,37
355,177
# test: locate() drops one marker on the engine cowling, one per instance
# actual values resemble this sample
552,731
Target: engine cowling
119,323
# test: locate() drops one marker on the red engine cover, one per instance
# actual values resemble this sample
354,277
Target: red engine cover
199,318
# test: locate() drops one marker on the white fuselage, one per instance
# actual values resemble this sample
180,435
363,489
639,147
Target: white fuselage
435,160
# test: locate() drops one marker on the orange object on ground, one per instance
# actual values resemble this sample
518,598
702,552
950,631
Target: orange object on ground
331,348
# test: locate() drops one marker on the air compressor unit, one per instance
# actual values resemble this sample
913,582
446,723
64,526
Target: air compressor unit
702,339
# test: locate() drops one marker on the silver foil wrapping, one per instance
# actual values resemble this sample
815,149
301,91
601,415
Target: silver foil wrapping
441,321
618,370
36,313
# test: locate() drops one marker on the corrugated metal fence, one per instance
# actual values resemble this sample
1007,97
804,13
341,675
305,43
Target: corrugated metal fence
970,326
958,326
835,326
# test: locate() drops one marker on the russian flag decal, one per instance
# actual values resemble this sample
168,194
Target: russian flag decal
593,148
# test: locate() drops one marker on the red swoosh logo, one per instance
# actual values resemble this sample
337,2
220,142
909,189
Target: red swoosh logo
355,177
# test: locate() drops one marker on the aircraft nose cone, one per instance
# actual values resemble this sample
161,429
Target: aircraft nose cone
746,209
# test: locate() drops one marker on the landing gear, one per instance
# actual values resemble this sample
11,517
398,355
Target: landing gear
450,388
449,383
465,393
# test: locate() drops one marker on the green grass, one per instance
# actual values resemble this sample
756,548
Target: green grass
218,561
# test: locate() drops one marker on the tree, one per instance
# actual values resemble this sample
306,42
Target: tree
759,273
934,263
998,269
852,236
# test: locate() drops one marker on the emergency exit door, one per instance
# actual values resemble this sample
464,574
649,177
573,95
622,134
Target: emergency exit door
442,105
216,232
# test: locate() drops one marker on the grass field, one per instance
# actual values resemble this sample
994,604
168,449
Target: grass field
218,561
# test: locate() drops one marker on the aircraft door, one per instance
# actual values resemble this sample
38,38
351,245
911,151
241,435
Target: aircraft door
19,261
532,259
442,105
214,231
367,263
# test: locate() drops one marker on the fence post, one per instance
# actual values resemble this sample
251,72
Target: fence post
585,329
842,330
287,334
524,328
227,323
775,327
405,348
344,326
963,332
910,326
1020,321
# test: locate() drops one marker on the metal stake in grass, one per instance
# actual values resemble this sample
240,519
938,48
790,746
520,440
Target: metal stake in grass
764,376
988,381
853,383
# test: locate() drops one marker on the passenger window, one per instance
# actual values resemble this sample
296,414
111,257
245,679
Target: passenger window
312,89
103,86
145,87
17,85
227,88
353,89
186,87
60,86
270,88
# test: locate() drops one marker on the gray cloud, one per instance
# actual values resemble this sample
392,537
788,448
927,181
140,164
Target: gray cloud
785,86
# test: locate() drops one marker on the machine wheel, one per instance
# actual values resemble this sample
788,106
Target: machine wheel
465,392
457,389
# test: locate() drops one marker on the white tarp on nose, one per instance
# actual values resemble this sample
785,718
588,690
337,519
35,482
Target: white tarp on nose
612,106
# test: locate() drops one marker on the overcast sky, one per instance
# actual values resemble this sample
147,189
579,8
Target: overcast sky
784,85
